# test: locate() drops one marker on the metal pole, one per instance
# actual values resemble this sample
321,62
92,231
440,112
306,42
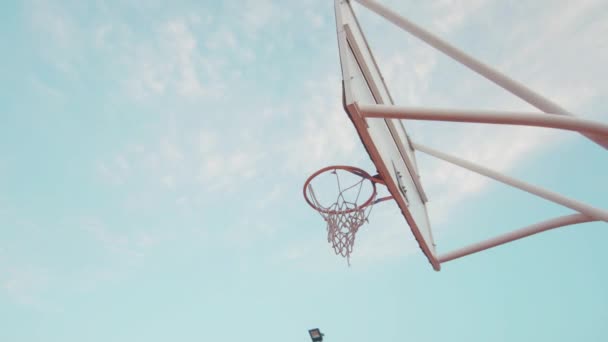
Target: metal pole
516,235
484,70
596,213
484,116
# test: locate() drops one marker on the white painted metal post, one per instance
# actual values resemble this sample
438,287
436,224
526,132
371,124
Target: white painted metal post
596,213
486,71
485,116
516,235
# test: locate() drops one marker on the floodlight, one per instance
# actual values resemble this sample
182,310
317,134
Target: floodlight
315,335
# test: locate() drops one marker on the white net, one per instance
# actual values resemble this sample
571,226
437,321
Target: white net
344,216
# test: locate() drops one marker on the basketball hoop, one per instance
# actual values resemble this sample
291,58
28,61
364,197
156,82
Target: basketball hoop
345,215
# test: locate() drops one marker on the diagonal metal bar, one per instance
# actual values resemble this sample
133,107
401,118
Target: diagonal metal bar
484,70
490,117
536,228
583,208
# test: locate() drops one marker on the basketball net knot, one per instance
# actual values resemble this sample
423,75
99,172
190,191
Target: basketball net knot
342,228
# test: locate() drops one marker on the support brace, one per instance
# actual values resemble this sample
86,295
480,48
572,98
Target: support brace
596,213
516,235
484,116
482,69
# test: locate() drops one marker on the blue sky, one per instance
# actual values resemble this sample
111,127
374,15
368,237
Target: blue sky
152,158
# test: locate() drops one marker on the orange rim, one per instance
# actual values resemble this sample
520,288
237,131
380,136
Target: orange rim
354,170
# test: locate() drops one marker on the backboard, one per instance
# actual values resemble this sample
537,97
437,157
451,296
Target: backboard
385,140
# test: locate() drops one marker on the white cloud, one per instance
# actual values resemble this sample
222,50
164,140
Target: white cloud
170,151
327,135
186,158
122,163
226,170
258,14
27,284
183,44
500,149
59,37
169,181
386,237
449,15
221,39
270,197
46,89
24,284
128,244
564,59
115,171
172,63
409,73
316,20
116,243
101,35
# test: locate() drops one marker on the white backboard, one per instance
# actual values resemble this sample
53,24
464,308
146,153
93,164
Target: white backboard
385,140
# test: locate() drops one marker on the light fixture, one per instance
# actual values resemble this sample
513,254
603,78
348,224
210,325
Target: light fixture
315,335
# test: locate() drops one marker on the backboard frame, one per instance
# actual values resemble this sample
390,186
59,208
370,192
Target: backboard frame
358,49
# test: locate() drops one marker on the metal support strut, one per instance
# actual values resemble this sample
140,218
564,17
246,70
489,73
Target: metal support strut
479,67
